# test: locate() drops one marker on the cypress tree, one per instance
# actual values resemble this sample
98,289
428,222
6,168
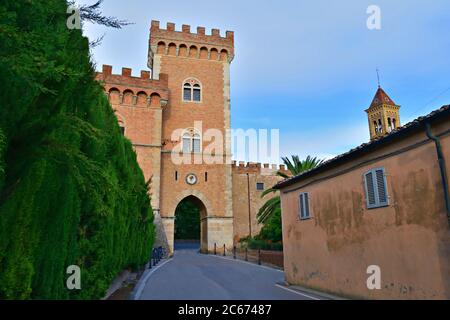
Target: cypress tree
71,191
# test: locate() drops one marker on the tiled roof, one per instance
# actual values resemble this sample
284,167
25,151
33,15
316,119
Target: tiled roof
380,98
439,113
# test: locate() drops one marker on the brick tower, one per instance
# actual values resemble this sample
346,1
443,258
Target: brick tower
197,66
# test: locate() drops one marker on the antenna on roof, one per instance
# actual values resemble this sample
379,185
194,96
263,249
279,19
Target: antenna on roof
378,77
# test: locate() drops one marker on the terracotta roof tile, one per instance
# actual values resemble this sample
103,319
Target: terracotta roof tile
380,98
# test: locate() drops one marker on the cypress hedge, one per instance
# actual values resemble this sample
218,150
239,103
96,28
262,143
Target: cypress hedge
71,190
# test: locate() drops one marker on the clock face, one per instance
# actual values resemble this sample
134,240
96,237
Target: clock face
191,179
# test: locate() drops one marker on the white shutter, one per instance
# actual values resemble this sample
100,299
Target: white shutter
306,199
381,187
300,206
376,189
370,190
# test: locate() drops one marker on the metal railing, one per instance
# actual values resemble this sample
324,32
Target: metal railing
268,257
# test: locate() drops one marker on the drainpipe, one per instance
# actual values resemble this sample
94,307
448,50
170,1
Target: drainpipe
249,211
442,167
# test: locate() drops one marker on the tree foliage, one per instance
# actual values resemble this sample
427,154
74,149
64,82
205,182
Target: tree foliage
71,191
187,221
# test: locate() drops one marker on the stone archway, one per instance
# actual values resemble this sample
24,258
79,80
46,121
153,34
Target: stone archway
190,229
204,207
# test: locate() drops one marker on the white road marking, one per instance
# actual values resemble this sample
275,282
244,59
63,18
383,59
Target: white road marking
143,282
299,293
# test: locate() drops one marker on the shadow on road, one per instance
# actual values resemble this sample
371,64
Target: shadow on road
187,245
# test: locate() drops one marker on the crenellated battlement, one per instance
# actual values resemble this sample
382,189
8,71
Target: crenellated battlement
187,44
257,168
126,89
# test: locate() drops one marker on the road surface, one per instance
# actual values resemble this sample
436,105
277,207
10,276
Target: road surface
190,275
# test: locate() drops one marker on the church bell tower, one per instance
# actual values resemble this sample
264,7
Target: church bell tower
383,115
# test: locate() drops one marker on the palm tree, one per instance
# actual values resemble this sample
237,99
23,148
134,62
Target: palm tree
295,167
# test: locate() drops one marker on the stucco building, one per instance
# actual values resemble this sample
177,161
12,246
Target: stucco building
170,110
383,204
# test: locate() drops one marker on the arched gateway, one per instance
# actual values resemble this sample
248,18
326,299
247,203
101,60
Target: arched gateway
201,203
191,223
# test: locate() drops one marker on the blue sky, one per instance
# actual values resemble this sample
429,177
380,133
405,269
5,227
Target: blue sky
305,67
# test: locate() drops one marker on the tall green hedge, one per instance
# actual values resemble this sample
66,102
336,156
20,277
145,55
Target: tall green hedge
71,191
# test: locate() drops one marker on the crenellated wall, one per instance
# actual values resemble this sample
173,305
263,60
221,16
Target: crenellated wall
138,103
186,44
246,176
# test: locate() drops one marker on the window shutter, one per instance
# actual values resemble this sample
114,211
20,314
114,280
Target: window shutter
301,205
370,190
306,197
376,189
381,187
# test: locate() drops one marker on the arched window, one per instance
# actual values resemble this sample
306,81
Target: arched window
192,91
187,92
394,123
390,125
191,142
380,126
197,92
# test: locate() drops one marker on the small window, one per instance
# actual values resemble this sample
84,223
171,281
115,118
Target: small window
186,143
192,91
304,212
176,175
376,189
197,93
206,176
122,130
187,92
196,143
191,142
260,186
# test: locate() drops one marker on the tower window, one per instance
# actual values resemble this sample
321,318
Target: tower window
192,91
197,93
206,176
390,125
187,92
176,175
191,142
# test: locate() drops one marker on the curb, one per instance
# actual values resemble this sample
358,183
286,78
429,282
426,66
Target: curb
137,291
319,294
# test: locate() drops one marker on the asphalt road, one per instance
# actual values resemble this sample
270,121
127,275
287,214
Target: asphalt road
190,275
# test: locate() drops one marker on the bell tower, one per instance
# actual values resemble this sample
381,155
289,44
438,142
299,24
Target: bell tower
383,115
